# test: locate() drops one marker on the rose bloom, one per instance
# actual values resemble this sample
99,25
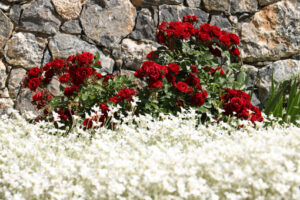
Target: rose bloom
225,39
236,104
113,99
192,80
204,36
194,68
124,94
64,78
106,78
205,28
85,58
182,87
234,38
69,91
197,99
174,68
155,84
235,51
33,84
37,96
84,72
34,72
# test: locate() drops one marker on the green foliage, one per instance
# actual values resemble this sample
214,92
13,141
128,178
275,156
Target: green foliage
284,100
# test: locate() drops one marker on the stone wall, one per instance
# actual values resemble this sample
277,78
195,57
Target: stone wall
32,32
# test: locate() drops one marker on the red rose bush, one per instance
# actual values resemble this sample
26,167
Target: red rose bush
194,68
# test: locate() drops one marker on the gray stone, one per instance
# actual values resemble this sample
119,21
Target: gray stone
221,22
273,33
282,70
145,27
217,5
3,75
240,6
24,49
4,93
193,3
252,72
68,9
255,100
150,3
15,81
15,13
47,57
4,6
108,26
6,28
40,16
64,45
23,103
176,13
6,105
233,19
135,52
266,2
17,1
72,27
53,87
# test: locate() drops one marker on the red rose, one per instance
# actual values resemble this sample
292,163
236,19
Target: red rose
194,68
106,78
64,78
155,84
113,99
104,108
205,28
69,91
71,59
235,51
197,99
215,31
58,64
174,68
182,87
124,94
34,72
99,75
84,72
33,84
150,55
161,38
225,39
85,58
236,104
98,63
234,38
204,36
37,96
192,80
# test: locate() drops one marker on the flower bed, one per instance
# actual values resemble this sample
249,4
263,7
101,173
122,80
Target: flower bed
166,158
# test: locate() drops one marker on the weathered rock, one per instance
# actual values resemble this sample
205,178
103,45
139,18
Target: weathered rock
273,33
72,27
266,2
108,26
17,1
15,13
217,5
282,70
240,6
53,87
47,57
40,16
252,72
193,3
24,49
150,3
221,22
23,103
176,13
6,28
255,100
68,9
144,27
3,75
4,93
4,6
15,81
6,105
63,45
134,53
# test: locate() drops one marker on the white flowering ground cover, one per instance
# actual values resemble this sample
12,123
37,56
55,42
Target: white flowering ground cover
162,159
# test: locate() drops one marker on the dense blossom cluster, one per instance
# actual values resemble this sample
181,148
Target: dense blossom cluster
148,158
206,33
237,102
